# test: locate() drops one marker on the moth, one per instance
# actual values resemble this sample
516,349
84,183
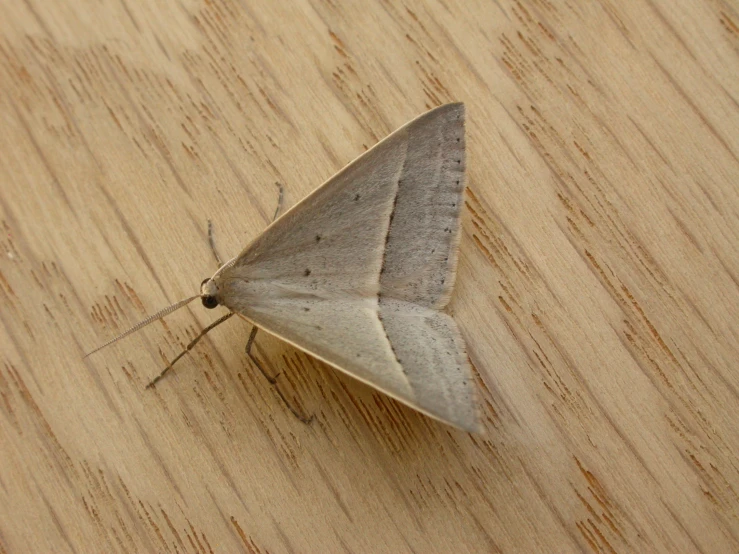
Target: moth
357,274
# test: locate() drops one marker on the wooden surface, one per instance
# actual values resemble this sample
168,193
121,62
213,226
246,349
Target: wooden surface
597,288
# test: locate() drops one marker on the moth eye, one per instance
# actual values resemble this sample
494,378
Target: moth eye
210,302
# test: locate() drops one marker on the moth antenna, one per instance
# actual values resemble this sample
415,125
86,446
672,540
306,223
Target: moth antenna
159,315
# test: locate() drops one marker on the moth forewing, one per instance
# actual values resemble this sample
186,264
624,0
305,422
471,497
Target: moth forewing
357,272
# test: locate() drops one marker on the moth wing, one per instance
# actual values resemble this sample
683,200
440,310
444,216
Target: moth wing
333,277
420,260
420,264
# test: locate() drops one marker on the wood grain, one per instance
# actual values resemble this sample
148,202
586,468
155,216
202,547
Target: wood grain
598,287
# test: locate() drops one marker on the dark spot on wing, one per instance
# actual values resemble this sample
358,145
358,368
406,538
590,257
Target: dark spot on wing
307,272
318,238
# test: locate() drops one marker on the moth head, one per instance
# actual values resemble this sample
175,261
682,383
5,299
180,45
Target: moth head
209,293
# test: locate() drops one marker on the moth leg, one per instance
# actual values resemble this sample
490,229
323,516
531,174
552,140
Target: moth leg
212,243
273,380
211,239
192,343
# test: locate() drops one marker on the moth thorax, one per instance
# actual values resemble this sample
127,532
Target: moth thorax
209,293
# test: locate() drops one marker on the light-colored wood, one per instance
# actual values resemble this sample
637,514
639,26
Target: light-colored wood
598,284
